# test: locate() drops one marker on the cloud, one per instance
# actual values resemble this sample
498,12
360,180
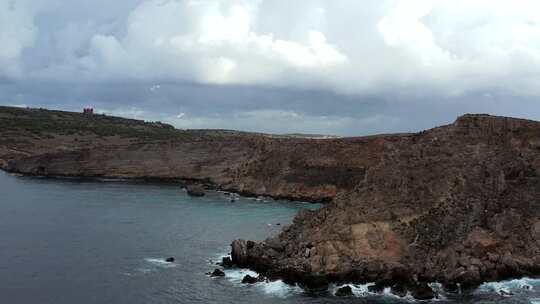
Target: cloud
233,63
213,42
17,32
439,46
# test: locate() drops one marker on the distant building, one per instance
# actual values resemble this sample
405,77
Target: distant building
88,111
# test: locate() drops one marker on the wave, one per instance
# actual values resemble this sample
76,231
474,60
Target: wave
509,287
362,291
154,264
275,288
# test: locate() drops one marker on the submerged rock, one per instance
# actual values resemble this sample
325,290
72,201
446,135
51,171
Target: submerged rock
345,291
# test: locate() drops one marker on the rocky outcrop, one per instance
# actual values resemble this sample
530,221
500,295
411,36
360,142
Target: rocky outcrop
227,262
458,204
249,279
217,273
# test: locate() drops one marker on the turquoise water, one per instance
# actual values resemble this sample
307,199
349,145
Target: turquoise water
69,241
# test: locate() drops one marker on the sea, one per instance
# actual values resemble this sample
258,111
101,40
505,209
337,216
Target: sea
78,241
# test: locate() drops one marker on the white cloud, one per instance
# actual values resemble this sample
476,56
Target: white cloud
17,32
209,42
447,47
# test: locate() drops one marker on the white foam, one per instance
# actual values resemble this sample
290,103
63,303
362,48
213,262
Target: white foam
218,257
358,290
506,288
362,291
160,263
275,288
236,275
279,288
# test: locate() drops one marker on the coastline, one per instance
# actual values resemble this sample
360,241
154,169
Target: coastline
457,204
180,182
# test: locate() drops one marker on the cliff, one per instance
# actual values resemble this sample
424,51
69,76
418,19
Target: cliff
458,204
57,143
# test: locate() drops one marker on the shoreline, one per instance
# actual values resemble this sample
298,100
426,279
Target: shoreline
180,182
364,289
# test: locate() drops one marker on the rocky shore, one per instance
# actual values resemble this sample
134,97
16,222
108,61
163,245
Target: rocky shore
66,144
458,205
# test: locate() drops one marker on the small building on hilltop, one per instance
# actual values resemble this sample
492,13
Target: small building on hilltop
88,111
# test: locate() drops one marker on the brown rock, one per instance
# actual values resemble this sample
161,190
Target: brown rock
434,206
467,190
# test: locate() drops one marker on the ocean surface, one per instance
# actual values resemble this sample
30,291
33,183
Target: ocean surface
72,241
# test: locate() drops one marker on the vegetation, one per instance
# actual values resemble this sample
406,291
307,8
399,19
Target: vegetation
43,122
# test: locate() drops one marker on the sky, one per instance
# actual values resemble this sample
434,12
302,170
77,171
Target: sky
347,67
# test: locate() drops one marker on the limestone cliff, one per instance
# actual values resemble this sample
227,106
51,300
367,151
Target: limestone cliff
458,204
455,204
55,143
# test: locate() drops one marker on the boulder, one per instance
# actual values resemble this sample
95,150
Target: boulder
422,291
249,279
217,273
399,290
227,262
195,190
345,291
315,283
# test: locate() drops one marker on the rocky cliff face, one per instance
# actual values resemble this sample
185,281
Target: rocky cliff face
457,204
51,143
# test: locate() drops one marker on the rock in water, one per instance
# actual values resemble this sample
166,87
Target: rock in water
169,260
239,252
226,262
459,204
249,279
422,291
217,273
195,190
399,290
345,291
315,283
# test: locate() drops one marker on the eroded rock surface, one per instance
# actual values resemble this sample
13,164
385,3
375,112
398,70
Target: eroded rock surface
57,143
455,204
